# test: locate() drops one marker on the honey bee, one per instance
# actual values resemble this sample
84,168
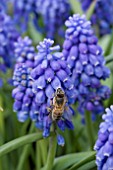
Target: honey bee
58,105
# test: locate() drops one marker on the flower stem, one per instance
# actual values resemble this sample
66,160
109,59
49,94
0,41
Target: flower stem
89,127
51,154
52,150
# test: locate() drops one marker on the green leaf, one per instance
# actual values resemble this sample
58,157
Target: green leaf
90,129
25,152
83,161
76,6
23,157
108,82
64,162
34,34
109,45
90,10
109,59
103,41
16,143
89,166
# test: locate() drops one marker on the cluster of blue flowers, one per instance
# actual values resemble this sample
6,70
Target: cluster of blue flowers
22,93
102,16
85,59
23,9
54,13
104,144
24,53
48,11
37,83
77,70
8,35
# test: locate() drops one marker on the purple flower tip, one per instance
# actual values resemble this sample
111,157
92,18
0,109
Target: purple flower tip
60,140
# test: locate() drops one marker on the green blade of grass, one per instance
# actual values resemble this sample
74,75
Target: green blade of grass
16,143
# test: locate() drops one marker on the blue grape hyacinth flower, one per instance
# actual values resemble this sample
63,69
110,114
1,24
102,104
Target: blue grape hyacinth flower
23,9
104,143
102,16
54,13
22,93
8,35
85,59
45,15
24,53
49,74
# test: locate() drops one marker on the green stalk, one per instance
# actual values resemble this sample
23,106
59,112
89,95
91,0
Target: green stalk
89,127
25,152
43,148
24,127
23,157
16,143
38,156
2,125
52,152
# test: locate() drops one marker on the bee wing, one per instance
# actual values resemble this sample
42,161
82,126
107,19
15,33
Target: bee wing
68,113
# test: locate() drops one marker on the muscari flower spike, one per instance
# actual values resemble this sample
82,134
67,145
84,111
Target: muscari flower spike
85,59
54,13
102,16
8,35
104,143
23,9
49,74
24,51
22,93
24,97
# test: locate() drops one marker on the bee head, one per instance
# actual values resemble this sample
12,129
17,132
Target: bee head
60,92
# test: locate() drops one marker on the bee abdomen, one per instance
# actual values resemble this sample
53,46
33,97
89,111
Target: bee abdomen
56,116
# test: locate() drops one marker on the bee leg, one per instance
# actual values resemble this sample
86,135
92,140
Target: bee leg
49,109
51,102
54,126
